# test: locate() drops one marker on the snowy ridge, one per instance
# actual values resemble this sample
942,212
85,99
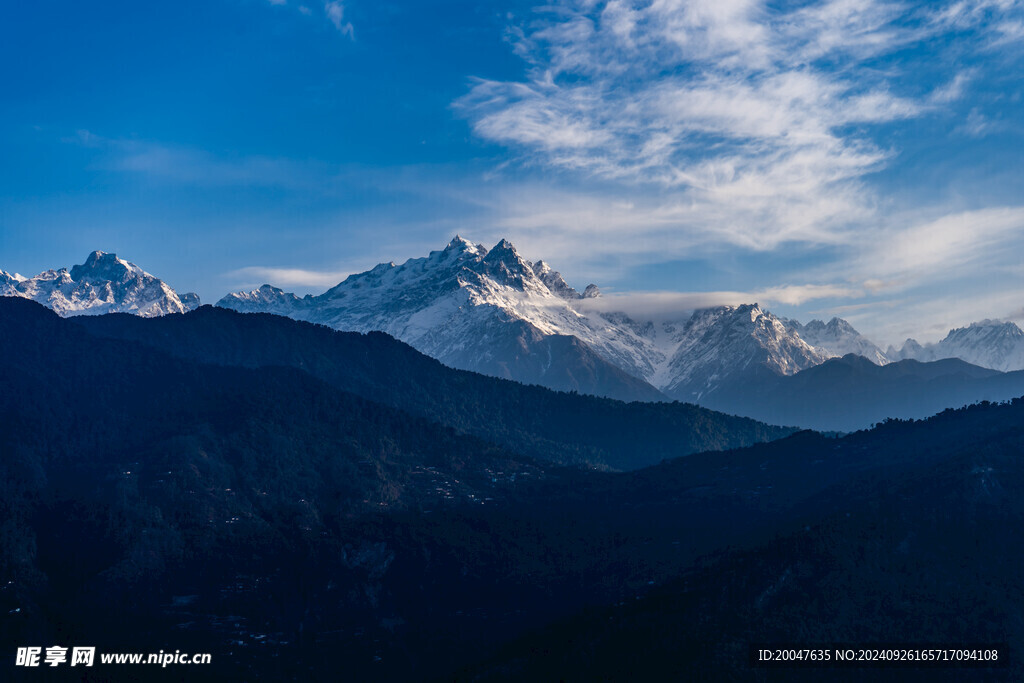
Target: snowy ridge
472,308
9,279
724,343
991,344
103,284
837,338
494,312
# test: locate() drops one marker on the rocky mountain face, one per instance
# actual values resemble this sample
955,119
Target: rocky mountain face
103,284
491,311
990,343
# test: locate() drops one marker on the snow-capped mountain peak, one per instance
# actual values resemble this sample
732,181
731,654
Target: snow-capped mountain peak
910,349
266,299
837,338
720,344
554,281
103,267
462,245
995,331
994,344
504,264
103,284
492,310
472,308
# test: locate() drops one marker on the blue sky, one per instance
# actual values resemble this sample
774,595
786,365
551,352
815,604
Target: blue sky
858,158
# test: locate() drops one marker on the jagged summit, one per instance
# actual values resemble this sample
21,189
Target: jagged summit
554,281
504,252
460,246
505,264
103,266
10,279
496,312
723,344
104,283
833,326
837,338
909,351
493,311
995,344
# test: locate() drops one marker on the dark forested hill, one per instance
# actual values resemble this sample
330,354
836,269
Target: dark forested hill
538,422
900,535
850,393
129,477
297,531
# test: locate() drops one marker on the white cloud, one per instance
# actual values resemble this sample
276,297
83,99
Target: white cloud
977,125
629,229
947,247
654,305
335,11
953,90
948,266
930,320
752,115
659,304
254,276
796,295
1010,32
947,270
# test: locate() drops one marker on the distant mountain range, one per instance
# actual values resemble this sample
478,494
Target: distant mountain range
103,284
837,338
850,393
493,312
990,343
474,309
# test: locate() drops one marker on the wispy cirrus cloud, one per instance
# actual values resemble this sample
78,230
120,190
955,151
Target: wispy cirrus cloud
654,305
797,295
334,11
682,130
660,304
199,167
758,116
254,276
950,246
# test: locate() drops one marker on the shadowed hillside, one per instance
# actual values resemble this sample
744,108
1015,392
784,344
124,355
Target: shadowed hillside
541,423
